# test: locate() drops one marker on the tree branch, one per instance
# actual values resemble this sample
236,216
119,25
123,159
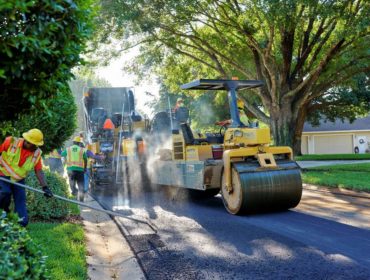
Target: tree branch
314,75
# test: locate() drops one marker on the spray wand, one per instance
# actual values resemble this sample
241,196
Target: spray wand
72,201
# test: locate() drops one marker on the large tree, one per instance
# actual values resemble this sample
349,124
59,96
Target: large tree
300,49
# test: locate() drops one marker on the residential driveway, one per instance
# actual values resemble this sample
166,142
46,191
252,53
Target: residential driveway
314,163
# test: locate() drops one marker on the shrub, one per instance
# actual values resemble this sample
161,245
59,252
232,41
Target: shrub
43,208
20,258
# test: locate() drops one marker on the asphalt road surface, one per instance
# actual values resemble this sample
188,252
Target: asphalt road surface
326,237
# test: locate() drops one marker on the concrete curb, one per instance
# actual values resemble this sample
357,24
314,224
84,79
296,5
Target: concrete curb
108,254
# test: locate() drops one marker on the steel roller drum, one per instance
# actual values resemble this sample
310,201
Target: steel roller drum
259,190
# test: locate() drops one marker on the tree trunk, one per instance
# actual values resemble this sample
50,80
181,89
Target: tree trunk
299,123
283,128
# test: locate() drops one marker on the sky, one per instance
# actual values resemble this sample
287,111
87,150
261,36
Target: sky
114,74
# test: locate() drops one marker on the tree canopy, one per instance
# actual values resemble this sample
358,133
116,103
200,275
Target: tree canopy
40,42
299,49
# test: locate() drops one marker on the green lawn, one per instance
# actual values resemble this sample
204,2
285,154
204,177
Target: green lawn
349,176
333,157
64,245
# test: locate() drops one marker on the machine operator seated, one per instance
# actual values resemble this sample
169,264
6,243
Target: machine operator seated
180,112
242,116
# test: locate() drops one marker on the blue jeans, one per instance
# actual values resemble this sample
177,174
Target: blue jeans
86,179
19,196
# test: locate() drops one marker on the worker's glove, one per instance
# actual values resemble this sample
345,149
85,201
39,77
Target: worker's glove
47,192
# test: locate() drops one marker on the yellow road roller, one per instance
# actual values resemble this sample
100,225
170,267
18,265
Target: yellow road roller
239,161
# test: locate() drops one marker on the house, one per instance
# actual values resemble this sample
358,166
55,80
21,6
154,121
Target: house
337,138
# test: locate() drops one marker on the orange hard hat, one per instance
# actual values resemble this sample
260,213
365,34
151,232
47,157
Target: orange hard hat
108,124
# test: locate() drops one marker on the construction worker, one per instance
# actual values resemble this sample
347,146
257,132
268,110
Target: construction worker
180,112
179,103
18,157
76,161
90,158
242,116
55,162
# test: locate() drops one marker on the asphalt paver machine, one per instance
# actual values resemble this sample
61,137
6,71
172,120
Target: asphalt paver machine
251,175
122,140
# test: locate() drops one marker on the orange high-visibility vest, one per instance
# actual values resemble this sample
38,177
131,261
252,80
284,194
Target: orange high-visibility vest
9,161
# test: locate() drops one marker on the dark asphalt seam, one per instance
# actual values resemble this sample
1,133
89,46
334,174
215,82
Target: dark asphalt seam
125,237
154,249
131,247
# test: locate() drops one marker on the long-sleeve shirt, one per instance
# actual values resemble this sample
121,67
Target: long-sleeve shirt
90,154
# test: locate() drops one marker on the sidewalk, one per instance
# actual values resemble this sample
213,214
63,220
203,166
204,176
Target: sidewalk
108,254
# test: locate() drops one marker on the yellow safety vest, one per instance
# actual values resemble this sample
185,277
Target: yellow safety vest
9,160
89,162
75,156
243,117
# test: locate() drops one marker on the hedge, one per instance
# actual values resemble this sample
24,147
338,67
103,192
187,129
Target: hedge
42,208
20,257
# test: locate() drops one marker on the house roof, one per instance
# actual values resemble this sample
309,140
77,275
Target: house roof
338,125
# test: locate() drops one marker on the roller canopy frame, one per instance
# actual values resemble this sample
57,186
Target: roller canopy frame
212,84
232,86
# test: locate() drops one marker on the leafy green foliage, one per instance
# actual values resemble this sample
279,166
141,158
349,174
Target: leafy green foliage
299,49
56,118
64,244
40,41
20,257
350,101
40,207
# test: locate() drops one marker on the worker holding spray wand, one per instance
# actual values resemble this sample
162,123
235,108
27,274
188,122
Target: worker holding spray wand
19,156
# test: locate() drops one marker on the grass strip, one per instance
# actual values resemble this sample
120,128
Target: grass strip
334,157
348,176
64,245
358,167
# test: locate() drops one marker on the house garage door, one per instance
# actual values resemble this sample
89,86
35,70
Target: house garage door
304,145
333,144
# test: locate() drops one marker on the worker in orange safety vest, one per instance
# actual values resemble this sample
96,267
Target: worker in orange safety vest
19,156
